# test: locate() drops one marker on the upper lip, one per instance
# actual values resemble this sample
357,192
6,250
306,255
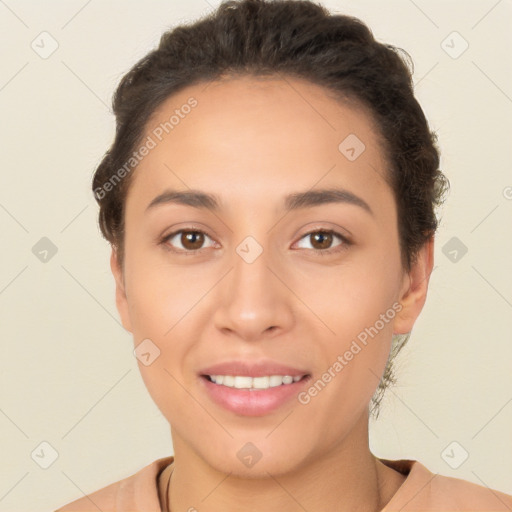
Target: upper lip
252,369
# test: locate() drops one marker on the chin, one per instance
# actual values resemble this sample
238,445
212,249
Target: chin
253,460
263,469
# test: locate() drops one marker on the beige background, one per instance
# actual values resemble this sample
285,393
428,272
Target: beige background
68,374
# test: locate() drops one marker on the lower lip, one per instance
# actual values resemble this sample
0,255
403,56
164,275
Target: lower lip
252,403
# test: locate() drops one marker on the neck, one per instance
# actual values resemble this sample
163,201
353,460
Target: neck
345,478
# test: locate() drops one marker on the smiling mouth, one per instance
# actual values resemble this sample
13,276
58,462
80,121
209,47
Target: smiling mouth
254,383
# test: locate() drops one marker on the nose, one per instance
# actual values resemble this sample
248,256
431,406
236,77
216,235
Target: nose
254,302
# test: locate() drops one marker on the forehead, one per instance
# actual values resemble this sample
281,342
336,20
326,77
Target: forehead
246,103
259,136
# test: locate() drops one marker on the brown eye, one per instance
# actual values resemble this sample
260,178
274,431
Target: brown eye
186,240
192,240
321,241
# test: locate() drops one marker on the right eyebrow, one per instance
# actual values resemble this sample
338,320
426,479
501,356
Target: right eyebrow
194,198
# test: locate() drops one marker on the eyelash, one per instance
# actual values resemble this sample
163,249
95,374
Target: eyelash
322,252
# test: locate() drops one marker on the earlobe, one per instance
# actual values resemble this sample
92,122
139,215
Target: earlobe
414,289
121,299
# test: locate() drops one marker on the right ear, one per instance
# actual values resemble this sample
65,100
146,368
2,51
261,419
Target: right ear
121,300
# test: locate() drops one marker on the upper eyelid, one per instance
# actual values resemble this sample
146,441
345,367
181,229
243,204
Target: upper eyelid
166,238
344,238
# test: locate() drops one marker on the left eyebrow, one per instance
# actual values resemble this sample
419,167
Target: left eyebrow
324,196
295,201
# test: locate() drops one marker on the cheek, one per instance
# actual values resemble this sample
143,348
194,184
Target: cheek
358,305
352,297
164,304
162,296
351,362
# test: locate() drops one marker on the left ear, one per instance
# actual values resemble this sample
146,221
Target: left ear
414,290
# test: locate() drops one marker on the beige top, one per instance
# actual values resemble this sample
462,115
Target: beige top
421,491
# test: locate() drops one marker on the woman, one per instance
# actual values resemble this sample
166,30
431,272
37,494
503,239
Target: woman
270,200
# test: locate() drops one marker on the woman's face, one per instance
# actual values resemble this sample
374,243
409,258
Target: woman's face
252,286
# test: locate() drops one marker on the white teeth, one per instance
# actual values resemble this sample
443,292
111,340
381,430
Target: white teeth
260,382
228,380
275,380
244,382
